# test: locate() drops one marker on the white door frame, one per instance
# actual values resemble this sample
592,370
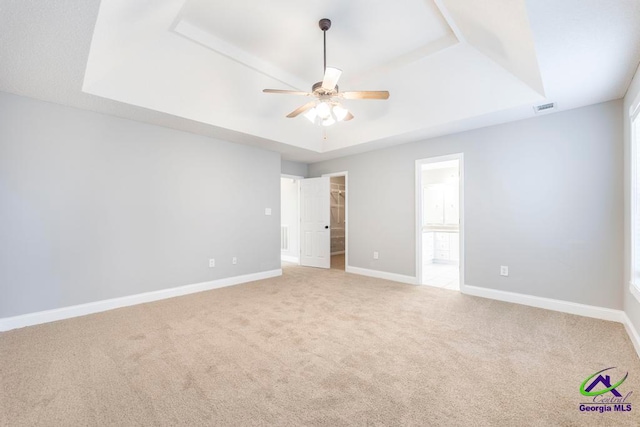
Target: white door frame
346,214
419,212
297,179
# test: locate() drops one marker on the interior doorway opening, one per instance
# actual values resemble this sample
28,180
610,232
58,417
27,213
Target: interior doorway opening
314,219
439,221
339,205
290,219
338,194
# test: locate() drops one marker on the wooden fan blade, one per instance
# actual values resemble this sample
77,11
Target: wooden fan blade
348,117
331,77
300,110
366,94
287,92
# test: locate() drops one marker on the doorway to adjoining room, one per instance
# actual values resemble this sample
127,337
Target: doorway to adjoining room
338,196
289,220
313,228
439,229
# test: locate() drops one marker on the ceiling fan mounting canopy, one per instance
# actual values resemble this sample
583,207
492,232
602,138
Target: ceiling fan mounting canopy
327,110
325,24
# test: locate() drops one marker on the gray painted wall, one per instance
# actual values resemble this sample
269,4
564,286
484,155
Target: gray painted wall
631,304
542,196
295,168
95,207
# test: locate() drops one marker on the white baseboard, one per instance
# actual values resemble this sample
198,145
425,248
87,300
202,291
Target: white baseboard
37,318
289,258
632,332
546,303
382,275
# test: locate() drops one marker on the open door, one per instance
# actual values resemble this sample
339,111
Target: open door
315,217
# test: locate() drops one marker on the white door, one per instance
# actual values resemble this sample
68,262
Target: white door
315,217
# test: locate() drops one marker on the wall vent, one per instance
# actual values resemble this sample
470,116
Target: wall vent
284,237
543,108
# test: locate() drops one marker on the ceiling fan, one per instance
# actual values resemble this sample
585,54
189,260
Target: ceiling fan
326,109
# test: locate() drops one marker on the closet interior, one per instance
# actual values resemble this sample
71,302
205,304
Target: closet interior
338,199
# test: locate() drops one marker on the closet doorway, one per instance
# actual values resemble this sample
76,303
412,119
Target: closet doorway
339,220
439,196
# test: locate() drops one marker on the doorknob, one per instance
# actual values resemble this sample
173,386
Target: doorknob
326,226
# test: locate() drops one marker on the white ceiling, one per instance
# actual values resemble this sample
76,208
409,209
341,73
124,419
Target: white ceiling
200,66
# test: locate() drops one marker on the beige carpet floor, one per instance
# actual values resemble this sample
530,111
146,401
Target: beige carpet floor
313,347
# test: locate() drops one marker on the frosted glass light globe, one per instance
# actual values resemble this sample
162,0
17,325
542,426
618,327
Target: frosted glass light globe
311,115
328,121
323,110
340,112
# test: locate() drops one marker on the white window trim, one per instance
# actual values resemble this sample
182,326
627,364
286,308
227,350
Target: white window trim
634,114
634,291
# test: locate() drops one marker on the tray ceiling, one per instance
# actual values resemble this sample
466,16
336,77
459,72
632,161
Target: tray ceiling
200,66
208,61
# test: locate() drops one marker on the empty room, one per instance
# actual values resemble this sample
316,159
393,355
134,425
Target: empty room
320,213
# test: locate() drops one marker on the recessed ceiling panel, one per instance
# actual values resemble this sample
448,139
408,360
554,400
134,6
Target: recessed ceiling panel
365,34
208,61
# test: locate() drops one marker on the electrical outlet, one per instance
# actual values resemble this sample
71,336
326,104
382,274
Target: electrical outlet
504,270
376,255
234,260
212,263
267,211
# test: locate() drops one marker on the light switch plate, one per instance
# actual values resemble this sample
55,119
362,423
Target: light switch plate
267,211
376,255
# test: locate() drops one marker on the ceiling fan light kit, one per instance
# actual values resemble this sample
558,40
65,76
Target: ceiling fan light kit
327,110
326,113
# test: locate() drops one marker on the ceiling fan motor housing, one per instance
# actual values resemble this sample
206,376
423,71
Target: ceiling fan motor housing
319,90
